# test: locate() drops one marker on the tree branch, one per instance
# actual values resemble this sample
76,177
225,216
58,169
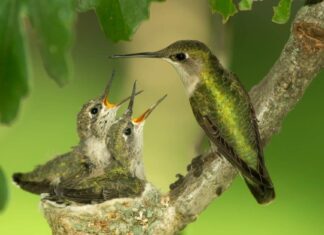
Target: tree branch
208,175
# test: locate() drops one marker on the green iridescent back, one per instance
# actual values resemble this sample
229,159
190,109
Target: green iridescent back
224,100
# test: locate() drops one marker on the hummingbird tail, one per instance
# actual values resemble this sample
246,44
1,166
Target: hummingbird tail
263,194
17,178
31,186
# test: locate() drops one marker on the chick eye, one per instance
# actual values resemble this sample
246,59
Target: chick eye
94,111
179,57
128,131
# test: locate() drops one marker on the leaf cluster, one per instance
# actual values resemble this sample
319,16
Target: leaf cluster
227,8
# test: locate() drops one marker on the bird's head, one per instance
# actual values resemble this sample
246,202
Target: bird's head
97,115
189,57
125,137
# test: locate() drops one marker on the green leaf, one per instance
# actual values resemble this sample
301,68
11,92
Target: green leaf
3,190
53,21
120,19
13,68
282,12
245,5
225,7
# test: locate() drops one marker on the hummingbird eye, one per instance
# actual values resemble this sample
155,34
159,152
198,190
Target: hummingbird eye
94,111
179,57
128,131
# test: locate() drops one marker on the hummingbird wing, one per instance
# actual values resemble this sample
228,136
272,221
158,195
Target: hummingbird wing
257,180
109,191
43,177
263,193
86,195
258,175
113,184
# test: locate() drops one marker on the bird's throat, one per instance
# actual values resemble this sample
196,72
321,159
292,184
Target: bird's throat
97,151
189,80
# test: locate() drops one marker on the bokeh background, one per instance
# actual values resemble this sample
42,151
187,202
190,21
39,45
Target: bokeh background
249,45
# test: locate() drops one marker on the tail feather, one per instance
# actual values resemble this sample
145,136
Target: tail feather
31,186
263,194
261,186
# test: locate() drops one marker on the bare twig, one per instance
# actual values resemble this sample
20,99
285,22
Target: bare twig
209,175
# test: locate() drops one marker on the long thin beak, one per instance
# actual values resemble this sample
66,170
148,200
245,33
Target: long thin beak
155,54
107,92
127,98
147,113
129,111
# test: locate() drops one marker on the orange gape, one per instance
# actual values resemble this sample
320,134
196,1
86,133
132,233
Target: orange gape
108,104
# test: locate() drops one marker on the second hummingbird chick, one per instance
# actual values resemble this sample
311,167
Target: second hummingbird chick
124,177
128,147
89,156
135,132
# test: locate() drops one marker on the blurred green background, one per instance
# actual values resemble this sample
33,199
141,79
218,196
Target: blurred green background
46,124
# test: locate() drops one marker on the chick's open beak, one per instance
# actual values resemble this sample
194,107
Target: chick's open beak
106,93
105,99
129,111
108,104
147,113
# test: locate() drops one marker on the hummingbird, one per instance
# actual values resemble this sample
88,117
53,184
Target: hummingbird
88,157
223,109
124,176
133,142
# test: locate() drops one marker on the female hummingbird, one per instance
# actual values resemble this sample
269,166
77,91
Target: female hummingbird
124,176
88,157
222,108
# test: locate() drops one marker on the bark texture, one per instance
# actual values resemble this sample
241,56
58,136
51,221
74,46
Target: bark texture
208,175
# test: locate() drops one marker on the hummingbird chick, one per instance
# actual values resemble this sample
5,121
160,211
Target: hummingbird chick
130,147
89,156
222,108
124,176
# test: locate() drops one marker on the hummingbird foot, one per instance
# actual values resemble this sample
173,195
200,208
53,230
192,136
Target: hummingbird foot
196,166
178,182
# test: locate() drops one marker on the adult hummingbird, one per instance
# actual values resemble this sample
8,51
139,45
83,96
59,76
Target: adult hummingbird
222,108
124,176
88,157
